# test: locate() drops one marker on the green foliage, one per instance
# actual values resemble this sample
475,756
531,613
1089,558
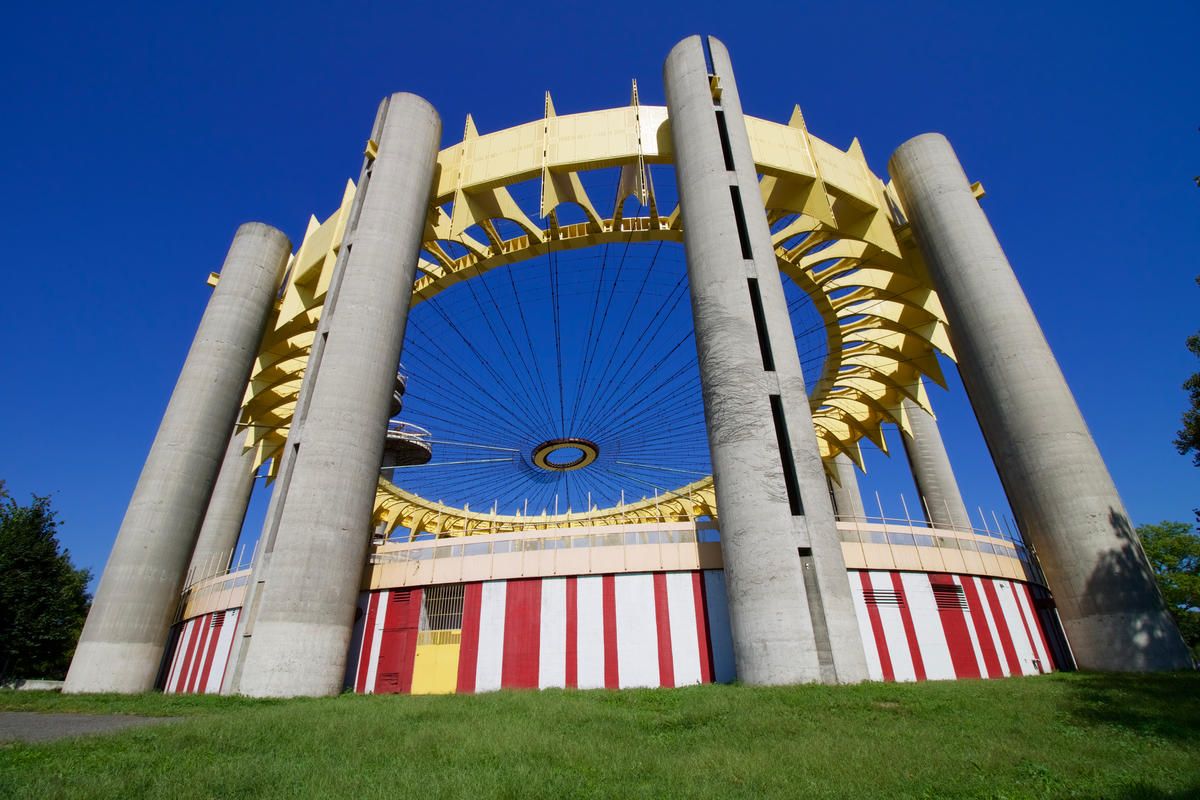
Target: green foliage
1173,549
1078,735
43,598
1187,440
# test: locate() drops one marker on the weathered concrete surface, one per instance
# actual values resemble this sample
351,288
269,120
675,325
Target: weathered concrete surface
123,639
847,497
29,726
1064,499
791,612
226,511
931,470
306,604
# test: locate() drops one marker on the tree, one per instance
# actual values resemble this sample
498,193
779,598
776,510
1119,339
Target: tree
43,597
1173,549
1188,438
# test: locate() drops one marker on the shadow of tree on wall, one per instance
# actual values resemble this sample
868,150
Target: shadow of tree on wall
1123,586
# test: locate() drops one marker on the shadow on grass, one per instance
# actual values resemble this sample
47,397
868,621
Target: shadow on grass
1142,791
1163,705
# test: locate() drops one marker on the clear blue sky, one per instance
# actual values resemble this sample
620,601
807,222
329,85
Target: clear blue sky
136,140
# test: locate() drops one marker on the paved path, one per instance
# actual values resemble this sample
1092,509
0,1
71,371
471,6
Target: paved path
29,726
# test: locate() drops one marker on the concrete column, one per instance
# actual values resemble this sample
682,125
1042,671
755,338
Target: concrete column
931,470
1058,486
847,499
122,642
306,604
226,510
789,599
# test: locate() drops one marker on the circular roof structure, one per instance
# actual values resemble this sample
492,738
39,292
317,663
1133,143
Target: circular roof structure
590,300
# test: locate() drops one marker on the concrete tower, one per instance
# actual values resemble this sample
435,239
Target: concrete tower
306,603
789,600
122,643
931,470
1059,488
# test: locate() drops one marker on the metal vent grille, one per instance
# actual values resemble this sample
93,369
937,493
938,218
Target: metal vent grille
218,619
883,597
949,596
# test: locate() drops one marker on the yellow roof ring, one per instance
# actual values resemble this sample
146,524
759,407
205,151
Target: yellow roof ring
542,455
837,228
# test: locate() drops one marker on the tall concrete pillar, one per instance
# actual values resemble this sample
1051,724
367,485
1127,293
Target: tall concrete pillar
306,604
789,599
226,510
122,643
931,470
847,498
1058,486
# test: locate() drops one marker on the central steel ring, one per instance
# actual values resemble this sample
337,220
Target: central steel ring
588,451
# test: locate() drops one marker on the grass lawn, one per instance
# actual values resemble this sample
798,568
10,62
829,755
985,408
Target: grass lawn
1057,736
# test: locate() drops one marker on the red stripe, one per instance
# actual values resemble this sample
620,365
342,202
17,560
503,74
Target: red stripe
885,658
572,643
991,659
1041,633
702,638
522,634
201,652
185,672
468,651
662,616
910,630
608,590
958,637
214,636
365,654
1024,622
1010,653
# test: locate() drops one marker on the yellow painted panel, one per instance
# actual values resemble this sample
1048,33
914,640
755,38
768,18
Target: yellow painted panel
435,669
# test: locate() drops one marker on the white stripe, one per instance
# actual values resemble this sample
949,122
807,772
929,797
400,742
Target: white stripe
490,665
221,654
637,631
589,629
1035,630
1016,628
874,668
380,599
552,649
997,642
927,624
185,638
893,630
969,617
720,636
681,615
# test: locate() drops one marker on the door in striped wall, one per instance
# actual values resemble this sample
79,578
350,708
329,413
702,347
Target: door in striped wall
615,631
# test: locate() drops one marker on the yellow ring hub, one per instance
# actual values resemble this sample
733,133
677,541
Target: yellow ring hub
588,451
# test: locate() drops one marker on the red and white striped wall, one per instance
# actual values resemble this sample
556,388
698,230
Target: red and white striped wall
660,629
929,626
200,653
615,631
